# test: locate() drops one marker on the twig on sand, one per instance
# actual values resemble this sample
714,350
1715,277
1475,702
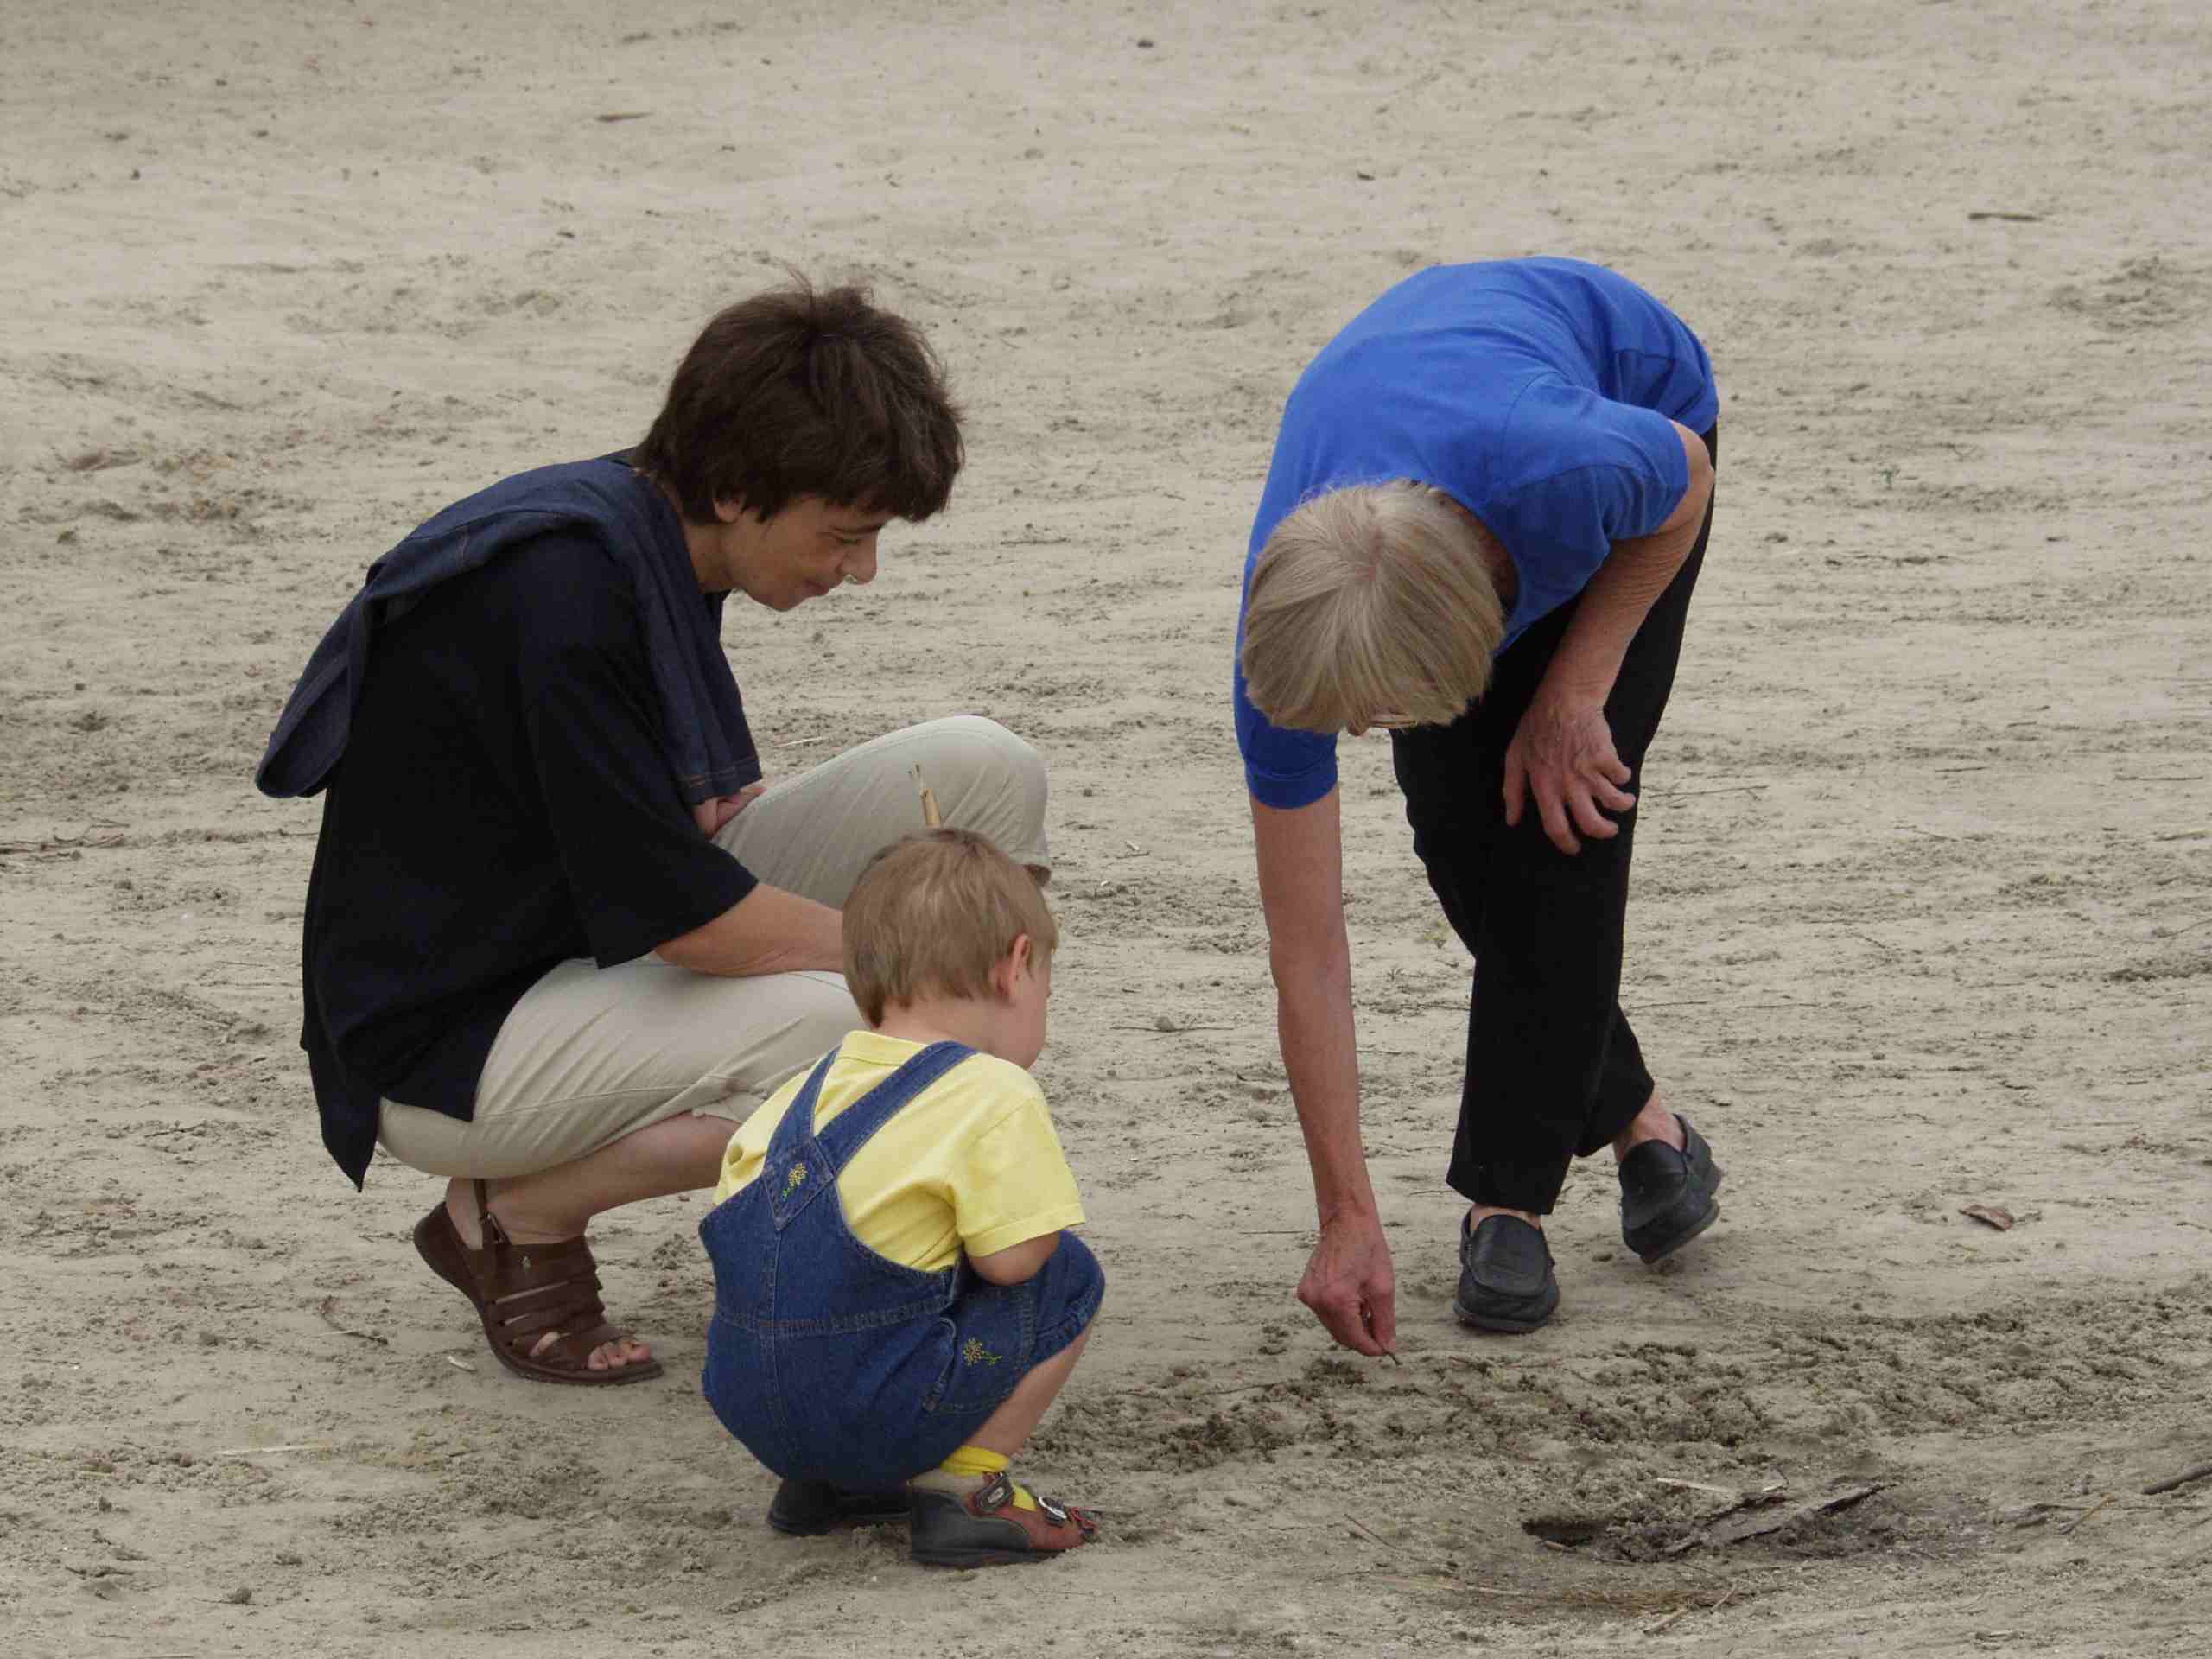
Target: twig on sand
2188,1476
2094,1508
1364,1530
328,1310
1726,788
270,1451
1712,1607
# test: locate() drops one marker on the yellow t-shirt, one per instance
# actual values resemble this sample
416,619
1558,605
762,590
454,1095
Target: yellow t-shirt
970,1163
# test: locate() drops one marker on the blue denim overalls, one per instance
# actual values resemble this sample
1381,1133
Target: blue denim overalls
833,1362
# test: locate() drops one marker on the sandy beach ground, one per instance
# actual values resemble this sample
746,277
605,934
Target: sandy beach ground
1924,912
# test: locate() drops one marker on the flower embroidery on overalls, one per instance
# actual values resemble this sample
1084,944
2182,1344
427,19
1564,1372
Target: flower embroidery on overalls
795,1179
975,1353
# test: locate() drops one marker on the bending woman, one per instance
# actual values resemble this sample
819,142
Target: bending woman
1488,505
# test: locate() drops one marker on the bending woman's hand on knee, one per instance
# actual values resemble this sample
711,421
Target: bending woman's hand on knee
1562,755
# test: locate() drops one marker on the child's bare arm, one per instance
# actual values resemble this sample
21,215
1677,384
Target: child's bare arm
1017,1261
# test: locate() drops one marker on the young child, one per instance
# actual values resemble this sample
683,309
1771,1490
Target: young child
895,1304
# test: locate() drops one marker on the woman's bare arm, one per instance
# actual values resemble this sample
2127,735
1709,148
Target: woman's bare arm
1349,1282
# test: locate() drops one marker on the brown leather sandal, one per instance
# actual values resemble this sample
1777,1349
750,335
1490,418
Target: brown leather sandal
522,1290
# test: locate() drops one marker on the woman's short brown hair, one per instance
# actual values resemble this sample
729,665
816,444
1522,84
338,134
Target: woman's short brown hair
1371,605
797,392
934,914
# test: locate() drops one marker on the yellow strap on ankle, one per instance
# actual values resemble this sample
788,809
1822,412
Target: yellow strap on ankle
976,1461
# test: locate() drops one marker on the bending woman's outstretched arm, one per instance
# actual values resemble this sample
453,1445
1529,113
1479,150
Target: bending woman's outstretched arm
1349,1282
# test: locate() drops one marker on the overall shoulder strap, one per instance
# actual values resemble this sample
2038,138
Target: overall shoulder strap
803,1171
855,1126
797,1128
797,1174
792,1171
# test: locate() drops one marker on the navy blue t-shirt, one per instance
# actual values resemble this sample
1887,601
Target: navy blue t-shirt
1539,394
504,803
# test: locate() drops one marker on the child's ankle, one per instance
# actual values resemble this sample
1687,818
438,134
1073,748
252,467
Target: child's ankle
969,1470
939,1480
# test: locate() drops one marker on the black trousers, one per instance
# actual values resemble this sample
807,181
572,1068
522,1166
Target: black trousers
1554,1072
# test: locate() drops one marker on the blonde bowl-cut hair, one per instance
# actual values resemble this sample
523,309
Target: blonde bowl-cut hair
934,913
1371,604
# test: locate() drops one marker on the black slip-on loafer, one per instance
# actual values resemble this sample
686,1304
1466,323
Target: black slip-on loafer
1667,1196
804,1509
1506,1282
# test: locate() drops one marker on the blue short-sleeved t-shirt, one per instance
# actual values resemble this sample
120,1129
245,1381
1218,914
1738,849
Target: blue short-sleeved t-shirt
1537,393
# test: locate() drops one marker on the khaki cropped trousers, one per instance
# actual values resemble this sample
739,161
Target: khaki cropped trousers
591,1054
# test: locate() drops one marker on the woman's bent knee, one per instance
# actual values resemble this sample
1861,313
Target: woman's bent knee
989,781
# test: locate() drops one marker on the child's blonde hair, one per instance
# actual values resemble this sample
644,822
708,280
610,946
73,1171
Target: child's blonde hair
935,912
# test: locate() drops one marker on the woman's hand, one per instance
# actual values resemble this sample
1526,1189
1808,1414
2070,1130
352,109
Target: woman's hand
711,814
1351,1286
1563,754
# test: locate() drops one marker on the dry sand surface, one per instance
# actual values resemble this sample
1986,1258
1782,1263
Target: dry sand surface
1924,915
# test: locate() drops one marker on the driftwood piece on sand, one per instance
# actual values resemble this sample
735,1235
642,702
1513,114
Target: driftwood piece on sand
1738,1525
2203,1472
